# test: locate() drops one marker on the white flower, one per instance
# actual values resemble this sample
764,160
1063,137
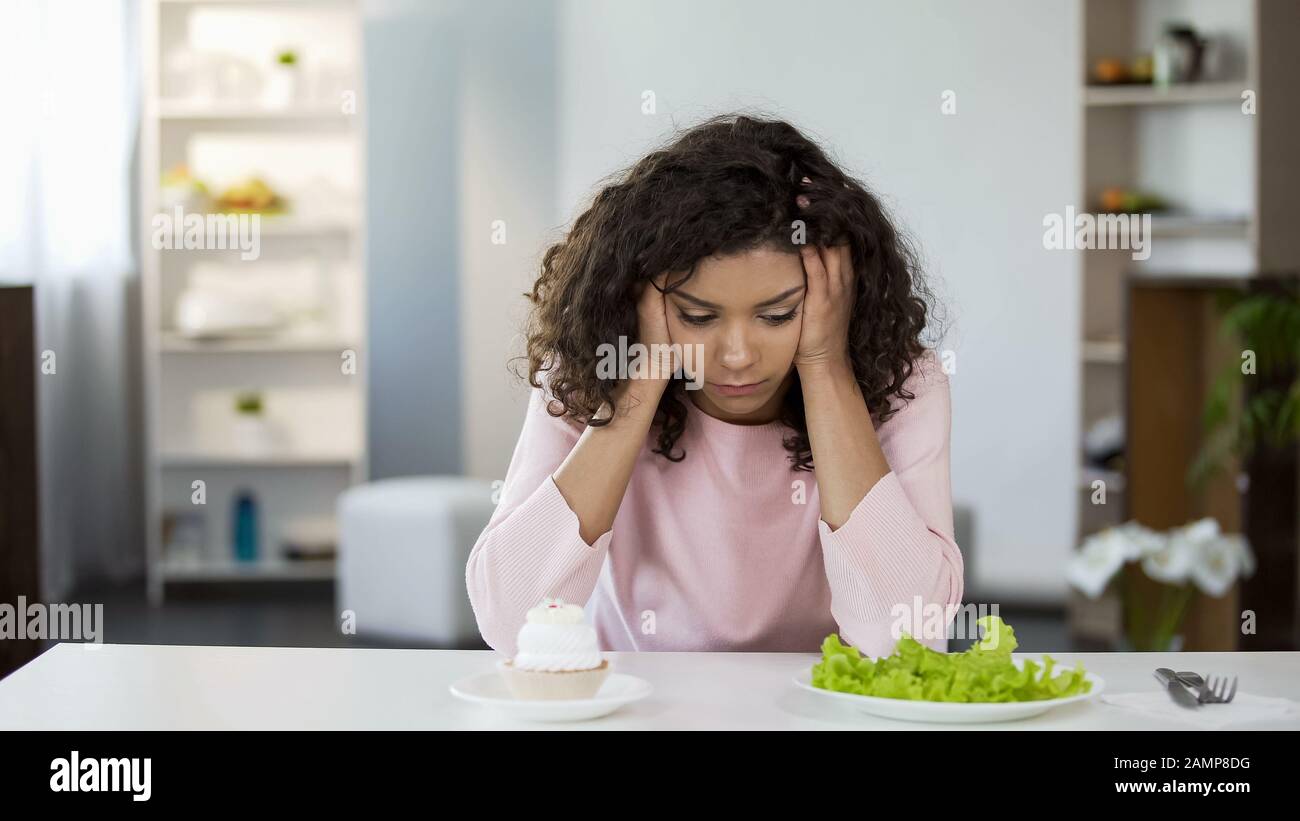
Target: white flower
1245,556
1097,561
1142,540
1221,562
1201,531
1183,553
1215,569
1173,563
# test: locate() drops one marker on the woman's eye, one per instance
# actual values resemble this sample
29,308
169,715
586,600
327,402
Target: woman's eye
693,319
779,319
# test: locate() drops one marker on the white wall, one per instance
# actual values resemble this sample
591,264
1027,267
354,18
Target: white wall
867,79
412,74
461,119
506,173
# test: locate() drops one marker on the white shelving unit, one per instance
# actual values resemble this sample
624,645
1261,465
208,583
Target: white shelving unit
1189,143
310,150
1226,167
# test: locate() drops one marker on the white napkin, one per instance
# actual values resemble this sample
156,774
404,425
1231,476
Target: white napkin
1243,708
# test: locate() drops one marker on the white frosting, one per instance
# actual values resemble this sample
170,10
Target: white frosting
556,639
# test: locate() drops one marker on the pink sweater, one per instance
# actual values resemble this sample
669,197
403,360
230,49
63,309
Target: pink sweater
722,551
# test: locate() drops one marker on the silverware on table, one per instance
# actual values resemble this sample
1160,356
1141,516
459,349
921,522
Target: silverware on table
1214,691
1176,688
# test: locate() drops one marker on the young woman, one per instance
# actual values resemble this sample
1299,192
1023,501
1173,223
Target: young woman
792,480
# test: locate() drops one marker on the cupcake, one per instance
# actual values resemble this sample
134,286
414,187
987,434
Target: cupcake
558,656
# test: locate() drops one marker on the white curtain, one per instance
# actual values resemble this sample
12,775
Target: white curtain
67,136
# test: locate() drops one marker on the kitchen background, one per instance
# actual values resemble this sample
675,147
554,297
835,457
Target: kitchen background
294,441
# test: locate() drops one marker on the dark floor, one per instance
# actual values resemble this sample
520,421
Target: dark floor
302,614
261,614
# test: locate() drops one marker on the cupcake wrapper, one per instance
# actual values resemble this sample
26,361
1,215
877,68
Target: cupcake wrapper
543,684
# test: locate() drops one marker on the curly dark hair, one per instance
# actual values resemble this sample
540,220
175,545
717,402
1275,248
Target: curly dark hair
727,185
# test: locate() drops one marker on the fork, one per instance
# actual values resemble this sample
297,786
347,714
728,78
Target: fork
1214,691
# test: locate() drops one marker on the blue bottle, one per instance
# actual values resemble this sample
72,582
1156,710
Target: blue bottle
245,527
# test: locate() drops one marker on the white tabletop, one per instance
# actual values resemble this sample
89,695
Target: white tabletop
135,686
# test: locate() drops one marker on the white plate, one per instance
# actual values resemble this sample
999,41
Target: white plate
490,689
950,712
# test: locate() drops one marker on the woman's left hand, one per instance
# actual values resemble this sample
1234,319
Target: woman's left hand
827,307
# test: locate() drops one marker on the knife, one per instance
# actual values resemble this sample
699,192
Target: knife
1175,688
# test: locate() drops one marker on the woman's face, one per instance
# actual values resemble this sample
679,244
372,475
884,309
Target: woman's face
746,310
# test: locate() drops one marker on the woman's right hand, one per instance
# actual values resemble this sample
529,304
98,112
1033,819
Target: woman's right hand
652,321
595,474
643,390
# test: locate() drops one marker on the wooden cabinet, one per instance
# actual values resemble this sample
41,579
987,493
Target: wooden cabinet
1175,351
19,543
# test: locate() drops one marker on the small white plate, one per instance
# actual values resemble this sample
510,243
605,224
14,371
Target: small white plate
490,689
949,712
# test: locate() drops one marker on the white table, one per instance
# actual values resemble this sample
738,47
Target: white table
134,686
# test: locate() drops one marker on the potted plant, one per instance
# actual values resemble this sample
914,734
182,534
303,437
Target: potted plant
282,88
1180,562
253,433
1267,326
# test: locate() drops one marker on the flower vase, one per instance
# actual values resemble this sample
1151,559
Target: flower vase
1153,612
282,86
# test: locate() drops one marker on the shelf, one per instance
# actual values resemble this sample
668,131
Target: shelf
174,343
289,225
1172,225
1188,226
216,570
183,110
271,460
1103,351
1140,95
283,225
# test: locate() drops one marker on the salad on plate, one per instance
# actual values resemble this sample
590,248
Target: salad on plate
985,673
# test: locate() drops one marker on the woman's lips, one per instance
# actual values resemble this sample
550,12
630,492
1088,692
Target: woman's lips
736,390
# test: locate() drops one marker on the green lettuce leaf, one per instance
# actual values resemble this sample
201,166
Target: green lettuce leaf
984,673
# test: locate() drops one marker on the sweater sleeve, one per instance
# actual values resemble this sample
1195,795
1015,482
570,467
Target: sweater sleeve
531,548
896,550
